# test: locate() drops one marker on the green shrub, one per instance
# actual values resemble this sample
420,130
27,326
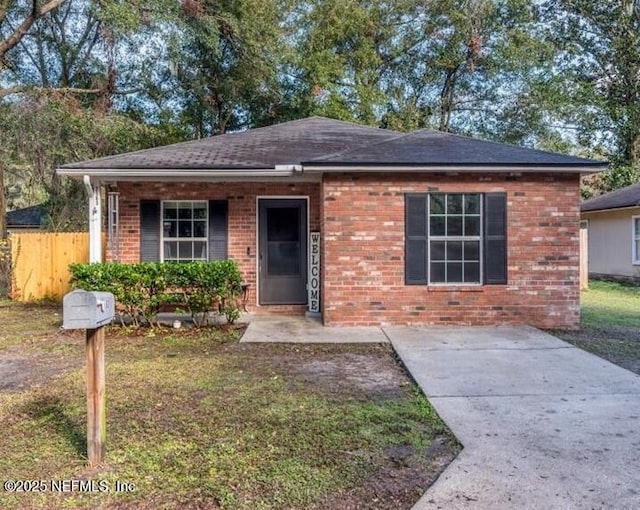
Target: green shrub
141,289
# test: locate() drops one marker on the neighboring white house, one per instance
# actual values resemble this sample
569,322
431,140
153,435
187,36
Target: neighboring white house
613,223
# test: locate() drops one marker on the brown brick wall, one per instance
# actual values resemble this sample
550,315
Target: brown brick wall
242,216
362,220
363,253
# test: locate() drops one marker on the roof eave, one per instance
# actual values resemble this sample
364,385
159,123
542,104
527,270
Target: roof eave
610,209
177,173
500,168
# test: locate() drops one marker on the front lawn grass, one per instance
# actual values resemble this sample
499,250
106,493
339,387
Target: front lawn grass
610,323
607,304
197,420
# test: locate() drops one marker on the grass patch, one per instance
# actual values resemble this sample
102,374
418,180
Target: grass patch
197,420
610,323
610,304
31,323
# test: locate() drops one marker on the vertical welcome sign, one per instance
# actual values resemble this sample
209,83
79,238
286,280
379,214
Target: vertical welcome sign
314,273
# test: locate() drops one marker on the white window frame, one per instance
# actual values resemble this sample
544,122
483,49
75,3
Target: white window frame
635,237
178,239
445,238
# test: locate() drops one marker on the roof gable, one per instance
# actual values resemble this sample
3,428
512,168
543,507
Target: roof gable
628,196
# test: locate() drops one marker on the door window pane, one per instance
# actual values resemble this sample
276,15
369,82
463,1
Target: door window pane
283,224
283,259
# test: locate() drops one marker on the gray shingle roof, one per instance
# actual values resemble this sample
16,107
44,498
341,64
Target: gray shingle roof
322,142
427,147
281,144
33,217
623,197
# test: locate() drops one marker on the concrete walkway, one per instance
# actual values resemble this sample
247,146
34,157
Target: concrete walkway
305,330
544,425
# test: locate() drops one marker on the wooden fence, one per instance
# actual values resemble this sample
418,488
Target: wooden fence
40,263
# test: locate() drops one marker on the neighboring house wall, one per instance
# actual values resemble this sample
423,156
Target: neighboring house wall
363,260
241,199
610,243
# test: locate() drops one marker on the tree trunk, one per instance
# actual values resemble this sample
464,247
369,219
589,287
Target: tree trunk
446,97
3,205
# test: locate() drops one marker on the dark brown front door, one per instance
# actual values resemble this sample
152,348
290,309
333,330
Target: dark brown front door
282,263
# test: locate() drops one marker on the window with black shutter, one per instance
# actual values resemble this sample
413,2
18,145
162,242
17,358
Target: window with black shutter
455,238
183,230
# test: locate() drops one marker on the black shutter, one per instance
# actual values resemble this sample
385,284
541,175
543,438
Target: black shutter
149,230
218,229
416,239
495,238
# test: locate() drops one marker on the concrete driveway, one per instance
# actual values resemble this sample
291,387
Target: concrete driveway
543,424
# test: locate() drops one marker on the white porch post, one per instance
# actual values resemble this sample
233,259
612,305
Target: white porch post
95,220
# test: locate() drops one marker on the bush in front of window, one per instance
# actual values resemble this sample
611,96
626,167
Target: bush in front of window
142,289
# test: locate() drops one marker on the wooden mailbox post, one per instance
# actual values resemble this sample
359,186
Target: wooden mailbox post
92,311
96,406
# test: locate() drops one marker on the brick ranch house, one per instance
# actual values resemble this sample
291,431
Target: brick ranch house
365,226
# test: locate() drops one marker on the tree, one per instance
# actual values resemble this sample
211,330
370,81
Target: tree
469,66
225,58
14,25
344,54
66,53
42,134
444,64
17,18
597,79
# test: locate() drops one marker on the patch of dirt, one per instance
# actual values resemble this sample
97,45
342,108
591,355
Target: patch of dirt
359,371
23,372
35,363
352,372
400,483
